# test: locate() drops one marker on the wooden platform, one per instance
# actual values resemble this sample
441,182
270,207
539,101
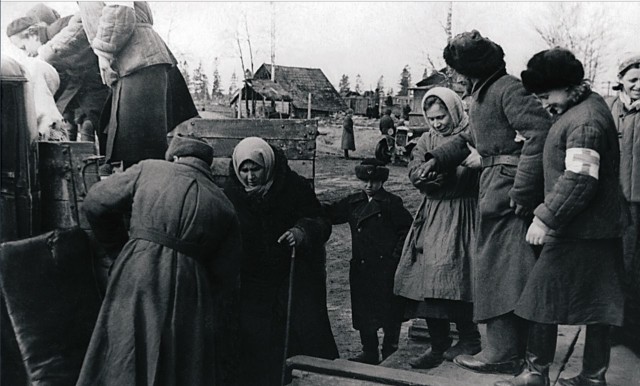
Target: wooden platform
624,367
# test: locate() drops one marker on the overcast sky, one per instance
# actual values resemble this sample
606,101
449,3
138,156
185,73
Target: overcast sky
366,38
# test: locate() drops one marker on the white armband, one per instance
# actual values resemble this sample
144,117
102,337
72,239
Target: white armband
582,160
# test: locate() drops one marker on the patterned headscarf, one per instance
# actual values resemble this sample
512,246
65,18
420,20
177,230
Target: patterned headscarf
453,103
257,150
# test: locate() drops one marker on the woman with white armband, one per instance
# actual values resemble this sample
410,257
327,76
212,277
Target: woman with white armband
575,280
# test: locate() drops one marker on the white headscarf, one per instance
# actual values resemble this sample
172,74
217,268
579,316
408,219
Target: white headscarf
453,103
257,150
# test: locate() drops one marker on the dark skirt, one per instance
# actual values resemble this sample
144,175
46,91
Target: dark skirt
575,282
138,124
453,310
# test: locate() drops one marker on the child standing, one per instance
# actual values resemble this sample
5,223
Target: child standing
379,224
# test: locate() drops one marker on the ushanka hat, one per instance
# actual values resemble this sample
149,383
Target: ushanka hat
20,24
372,169
473,55
552,69
189,146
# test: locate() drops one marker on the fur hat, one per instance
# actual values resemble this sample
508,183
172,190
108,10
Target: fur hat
372,169
473,55
552,69
20,24
189,146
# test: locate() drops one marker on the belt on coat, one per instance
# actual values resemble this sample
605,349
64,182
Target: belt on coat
193,250
500,160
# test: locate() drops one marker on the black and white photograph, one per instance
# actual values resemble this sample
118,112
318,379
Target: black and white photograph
345,193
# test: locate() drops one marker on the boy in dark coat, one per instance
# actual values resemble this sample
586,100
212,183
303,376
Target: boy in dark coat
379,224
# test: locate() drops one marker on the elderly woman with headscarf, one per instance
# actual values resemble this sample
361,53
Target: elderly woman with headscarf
278,211
575,279
182,250
435,267
508,127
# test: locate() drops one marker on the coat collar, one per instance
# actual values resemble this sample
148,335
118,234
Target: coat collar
481,86
371,208
198,164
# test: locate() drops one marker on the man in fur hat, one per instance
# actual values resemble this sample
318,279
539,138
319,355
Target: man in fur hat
508,127
379,224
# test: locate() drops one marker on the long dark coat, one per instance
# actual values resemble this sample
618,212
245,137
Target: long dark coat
156,324
378,230
501,109
348,137
290,202
575,280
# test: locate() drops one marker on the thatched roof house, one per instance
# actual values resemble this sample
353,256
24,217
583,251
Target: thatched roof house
299,82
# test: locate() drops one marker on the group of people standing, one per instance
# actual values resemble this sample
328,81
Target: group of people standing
527,214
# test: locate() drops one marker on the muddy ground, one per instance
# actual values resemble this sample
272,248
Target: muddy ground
335,178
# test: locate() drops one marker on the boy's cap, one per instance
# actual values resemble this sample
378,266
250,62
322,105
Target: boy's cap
372,169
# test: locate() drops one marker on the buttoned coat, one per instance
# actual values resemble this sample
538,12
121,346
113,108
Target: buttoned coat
378,230
504,119
348,137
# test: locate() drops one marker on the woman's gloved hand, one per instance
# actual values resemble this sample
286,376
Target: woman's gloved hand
293,237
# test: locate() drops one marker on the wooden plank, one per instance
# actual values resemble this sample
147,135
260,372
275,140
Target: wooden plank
293,149
220,167
300,129
348,369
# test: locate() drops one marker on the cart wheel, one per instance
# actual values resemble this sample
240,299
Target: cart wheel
382,151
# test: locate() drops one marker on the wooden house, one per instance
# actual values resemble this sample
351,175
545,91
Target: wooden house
299,82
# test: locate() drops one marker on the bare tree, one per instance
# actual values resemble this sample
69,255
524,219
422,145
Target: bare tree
585,32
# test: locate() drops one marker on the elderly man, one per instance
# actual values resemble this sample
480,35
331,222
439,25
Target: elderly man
82,95
508,127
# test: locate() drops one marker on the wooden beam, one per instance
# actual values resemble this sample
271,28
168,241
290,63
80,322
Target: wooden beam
355,370
294,129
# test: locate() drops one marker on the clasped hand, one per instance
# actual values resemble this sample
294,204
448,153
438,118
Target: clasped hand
537,232
293,237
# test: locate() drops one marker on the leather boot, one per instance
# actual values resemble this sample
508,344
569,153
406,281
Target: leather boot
501,354
541,348
440,342
369,354
391,339
469,342
595,361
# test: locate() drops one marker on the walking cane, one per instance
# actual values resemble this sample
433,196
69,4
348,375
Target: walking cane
288,320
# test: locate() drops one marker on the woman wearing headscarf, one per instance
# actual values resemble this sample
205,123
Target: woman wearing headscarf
278,211
435,267
508,126
180,253
625,108
575,279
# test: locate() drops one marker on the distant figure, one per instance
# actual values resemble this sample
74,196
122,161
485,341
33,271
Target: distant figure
387,125
278,211
435,268
379,223
348,136
182,251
